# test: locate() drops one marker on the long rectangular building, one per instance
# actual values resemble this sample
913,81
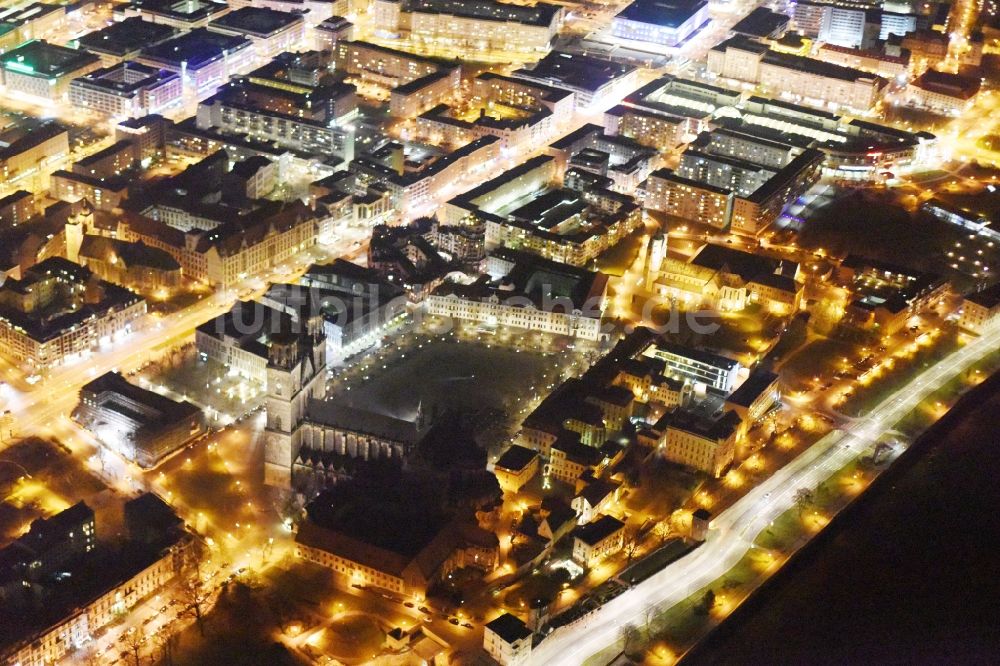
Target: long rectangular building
141,425
795,76
481,25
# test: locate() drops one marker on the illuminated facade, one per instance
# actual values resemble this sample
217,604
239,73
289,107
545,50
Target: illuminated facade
795,76
660,22
42,343
127,90
484,25
203,59
597,541
271,31
142,426
44,71
704,445
26,162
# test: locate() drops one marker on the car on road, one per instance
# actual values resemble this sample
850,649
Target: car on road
454,621
408,604
425,609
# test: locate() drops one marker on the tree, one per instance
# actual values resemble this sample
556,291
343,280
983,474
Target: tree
803,499
194,600
663,531
165,642
707,602
649,617
135,640
628,634
631,543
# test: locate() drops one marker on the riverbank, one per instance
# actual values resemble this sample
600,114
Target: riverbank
907,573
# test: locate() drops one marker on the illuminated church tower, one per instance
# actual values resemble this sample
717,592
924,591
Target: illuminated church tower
296,372
656,252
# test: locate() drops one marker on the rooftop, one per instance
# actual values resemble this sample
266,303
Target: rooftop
195,48
819,67
42,59
125,78
189,11
667,13
695,424
988,298
744,264
758,382
762,22
516,458
256,21
509,627
576,70
541,14
364,421
116,393
699,355
125,37
597,531
945,83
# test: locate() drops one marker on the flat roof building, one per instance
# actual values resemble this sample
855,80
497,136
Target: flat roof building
59,311
485,25
592,80
508,640
186,14
141,425
43,70
660,22
272,31
943,92
701,368
124,39
127,90
204,59
20,22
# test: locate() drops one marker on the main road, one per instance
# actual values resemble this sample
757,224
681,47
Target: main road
733,532
56,395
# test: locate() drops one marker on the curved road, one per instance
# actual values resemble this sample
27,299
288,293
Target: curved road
733,531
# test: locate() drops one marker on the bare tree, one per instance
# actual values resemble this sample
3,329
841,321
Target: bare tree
631,543
629,635
134,643
804,498
194,601
165,641
663,531
649,618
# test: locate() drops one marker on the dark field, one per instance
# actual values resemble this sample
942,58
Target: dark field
909,575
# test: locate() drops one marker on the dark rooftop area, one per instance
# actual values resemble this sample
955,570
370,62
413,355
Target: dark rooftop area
258,21
124,37
45,59
669,13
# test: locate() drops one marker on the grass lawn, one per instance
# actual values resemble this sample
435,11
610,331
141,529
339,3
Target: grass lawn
865,398
351,637
458,375
818,358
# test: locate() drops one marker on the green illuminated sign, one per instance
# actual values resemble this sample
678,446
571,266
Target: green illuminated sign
19,66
